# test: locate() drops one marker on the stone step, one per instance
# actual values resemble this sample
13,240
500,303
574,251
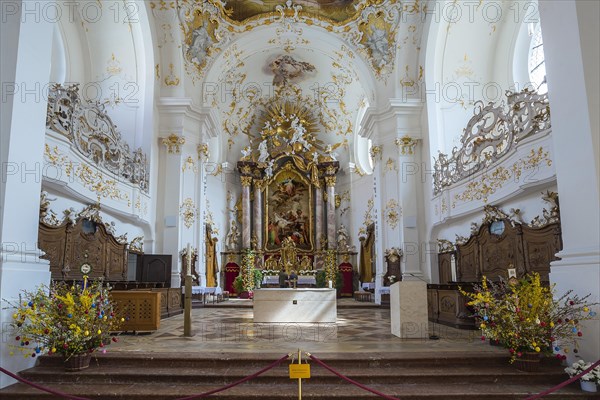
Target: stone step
406,375
279,375
342,360
290,391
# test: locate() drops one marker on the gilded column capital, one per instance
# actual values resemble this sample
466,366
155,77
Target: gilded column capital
259,184
246,181
330,181
173,143
407,144
202,149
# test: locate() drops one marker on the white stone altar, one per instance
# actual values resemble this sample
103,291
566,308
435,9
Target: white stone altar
408,309
295,305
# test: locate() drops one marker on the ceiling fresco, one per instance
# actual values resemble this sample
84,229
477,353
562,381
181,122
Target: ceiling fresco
331,57
338,11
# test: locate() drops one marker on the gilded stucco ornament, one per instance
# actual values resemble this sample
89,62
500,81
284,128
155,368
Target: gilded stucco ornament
173,143
393,254
189,212
137,244
445,246
392,213
491,134
407,144
93,135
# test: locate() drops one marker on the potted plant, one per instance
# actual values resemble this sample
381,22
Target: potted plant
525,317
72,320
590,381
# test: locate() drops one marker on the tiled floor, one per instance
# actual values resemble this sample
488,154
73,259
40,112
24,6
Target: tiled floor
360,329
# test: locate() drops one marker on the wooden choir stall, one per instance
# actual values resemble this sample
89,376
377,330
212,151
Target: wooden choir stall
499,244
141,282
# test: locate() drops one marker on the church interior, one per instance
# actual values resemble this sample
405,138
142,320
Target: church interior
369,159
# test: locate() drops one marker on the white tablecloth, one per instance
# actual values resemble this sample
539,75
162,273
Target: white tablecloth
205,290
384,290
368,285
302,280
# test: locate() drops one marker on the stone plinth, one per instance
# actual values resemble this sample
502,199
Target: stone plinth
295,305
408,309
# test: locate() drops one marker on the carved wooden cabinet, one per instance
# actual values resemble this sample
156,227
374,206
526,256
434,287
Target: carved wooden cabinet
140,308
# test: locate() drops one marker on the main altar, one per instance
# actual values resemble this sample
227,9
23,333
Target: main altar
288,214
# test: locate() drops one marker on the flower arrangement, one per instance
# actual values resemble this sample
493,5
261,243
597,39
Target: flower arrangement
307,272
579,366
525,317
64,319
271,272
331,268
392,278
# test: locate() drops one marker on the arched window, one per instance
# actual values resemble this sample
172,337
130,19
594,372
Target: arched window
536,63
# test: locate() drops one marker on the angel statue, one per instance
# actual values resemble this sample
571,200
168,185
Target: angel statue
232,237
246,152
269,169
332,154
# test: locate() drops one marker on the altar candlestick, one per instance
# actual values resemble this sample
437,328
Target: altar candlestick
330,284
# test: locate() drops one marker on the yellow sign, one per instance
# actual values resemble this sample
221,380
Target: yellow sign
299,371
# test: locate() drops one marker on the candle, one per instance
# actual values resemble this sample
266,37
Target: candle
330,284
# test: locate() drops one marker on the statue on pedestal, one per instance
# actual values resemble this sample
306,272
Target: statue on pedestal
342,238
232,237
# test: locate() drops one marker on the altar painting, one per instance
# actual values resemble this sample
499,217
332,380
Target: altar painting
289,214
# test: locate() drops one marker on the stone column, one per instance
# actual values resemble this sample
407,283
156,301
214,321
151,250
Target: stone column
180,212
572,73
330,184
258,209
318,215
409,164
26,43
246,229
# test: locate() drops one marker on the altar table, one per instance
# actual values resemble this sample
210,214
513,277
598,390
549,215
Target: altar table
295,305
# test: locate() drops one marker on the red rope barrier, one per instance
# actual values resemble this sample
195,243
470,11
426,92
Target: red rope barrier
360,385
563,384
272,365
197,396
42,388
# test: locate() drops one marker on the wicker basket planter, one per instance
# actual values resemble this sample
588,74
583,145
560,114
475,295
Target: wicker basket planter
77,362
528,362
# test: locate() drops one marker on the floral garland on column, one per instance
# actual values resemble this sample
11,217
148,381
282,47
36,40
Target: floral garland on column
331,267
248,270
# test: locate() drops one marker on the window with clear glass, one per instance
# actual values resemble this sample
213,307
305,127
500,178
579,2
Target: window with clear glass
537,66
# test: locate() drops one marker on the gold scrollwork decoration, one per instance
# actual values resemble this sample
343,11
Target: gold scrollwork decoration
189,212
407,144
392,213
173,143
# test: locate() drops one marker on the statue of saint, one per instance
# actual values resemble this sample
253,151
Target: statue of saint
342,238
263,151
232,237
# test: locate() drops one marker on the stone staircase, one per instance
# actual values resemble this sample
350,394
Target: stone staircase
408,375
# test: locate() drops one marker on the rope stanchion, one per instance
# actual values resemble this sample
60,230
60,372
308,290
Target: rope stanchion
563,384
268,367
360,385
42,388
